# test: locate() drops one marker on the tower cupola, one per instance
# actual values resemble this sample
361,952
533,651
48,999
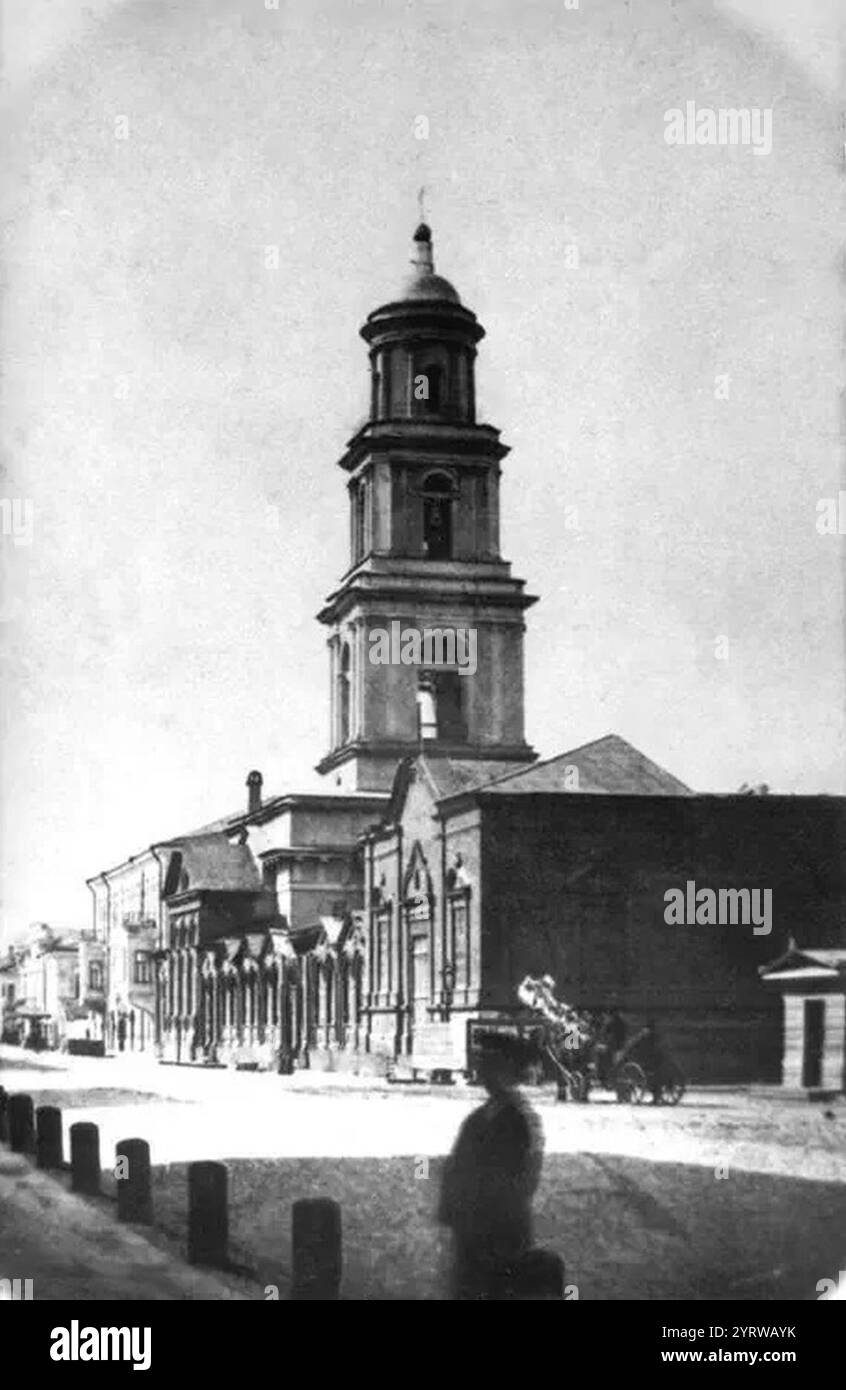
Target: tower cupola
423,346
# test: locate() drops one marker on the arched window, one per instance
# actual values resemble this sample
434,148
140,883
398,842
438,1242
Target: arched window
437,516
360,540
95,976
344,683
143,968
459,937
439,707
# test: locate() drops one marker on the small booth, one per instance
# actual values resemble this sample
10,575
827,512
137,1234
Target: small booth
36,1030
812,984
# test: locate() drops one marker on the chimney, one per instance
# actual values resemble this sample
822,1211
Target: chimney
254,781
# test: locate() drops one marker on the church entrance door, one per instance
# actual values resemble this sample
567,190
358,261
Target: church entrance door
419,983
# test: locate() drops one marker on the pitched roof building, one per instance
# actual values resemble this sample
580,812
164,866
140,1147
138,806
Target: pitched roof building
441,861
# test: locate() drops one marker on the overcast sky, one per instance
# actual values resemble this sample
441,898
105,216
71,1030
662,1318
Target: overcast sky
167,395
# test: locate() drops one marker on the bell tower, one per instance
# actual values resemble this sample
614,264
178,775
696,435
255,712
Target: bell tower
426,626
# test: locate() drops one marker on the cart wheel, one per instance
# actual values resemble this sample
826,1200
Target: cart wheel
673,1088
630,1083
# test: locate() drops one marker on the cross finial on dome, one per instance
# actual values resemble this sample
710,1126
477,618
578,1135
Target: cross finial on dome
422,258
424,231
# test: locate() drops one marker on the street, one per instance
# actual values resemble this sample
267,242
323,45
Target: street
642,1202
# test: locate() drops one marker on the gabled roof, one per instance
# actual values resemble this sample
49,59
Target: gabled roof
797,962
446,777
607,766
210,863
452,776
209,829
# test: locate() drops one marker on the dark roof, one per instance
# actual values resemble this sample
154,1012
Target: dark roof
452,776
212,863
213,825
608,766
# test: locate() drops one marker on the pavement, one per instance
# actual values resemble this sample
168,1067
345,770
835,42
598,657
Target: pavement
730,1194
187,1113
73,1248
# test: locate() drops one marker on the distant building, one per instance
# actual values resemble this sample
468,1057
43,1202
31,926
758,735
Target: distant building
128,917
53,985
9,986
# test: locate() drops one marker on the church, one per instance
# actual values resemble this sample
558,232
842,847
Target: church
366,925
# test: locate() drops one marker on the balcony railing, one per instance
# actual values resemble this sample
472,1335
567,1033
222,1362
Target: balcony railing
138,921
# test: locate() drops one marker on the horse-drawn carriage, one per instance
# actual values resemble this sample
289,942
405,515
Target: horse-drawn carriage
583,1051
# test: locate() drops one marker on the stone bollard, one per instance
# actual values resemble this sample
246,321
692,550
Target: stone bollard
4,1120
316,1250
208,1214
134,1195
21,1124
85,1158
539,1276
48,1136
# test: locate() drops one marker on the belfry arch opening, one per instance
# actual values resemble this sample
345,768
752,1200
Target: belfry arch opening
344,690
440,707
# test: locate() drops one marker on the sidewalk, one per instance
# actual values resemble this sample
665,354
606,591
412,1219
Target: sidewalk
191,1082
75,1249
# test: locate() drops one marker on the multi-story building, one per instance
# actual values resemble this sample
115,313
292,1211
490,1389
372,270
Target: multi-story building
9,993
54,988
128,919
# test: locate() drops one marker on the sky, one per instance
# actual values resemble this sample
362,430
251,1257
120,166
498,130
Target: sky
203,203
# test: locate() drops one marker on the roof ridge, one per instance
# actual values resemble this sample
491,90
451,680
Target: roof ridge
608,745
556,757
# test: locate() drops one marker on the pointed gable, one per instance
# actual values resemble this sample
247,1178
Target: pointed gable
801,963
608,766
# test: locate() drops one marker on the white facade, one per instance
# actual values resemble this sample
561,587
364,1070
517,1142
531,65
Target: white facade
129,919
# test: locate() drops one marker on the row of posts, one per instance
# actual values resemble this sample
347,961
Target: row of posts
316,1222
